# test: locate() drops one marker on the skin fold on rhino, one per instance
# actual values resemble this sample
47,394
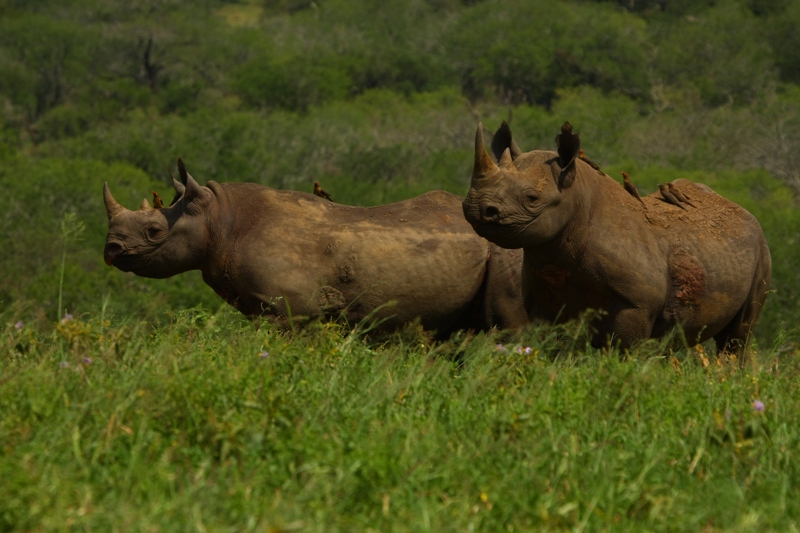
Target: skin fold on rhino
280,254
589,244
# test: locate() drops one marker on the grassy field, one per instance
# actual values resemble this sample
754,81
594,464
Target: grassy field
209,424
130,404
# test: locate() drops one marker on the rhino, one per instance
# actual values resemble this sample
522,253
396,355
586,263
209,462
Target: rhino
288,256
588,244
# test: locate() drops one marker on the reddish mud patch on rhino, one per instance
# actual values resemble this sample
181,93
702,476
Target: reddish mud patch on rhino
688,278
346,272
554,275
331,300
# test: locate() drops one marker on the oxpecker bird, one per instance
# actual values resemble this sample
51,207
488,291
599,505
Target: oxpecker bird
679,195
669,197
582,156
157,203
631,188
319,191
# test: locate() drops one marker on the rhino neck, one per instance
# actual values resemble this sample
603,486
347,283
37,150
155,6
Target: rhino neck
568,247
239,207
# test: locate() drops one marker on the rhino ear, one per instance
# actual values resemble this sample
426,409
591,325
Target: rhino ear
182,172
502,140
193,189
483,163
569,146
179,190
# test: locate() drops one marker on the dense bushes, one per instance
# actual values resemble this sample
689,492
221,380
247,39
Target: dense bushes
379,102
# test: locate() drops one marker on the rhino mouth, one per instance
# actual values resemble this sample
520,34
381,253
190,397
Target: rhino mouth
112,252
117,256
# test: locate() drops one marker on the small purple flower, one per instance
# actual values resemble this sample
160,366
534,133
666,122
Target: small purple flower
87,361
63,364
263,355
67,318
758,406
500,348
527,350
19,325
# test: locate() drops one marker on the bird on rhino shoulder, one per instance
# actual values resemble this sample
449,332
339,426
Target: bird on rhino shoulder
588,244
280,254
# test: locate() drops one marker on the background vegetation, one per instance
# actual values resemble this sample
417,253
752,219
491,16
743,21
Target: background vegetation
378,101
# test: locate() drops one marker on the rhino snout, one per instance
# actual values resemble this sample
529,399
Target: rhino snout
111,252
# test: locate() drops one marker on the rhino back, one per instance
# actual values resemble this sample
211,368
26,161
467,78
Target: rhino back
322,257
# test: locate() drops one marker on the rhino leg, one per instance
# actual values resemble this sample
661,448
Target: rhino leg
733,339
503,303
628,325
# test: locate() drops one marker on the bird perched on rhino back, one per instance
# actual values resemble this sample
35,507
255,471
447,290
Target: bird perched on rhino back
157,202
669,197
630,187
319,191
582,155
679,195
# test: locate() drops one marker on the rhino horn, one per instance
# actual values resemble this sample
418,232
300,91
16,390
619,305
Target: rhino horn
483,163
506,160
112,206
145,205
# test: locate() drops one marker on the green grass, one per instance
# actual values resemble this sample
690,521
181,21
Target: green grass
125,427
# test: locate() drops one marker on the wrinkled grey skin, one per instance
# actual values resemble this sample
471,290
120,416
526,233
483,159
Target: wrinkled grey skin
588,244
275,254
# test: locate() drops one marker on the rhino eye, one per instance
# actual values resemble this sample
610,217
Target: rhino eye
530,198
154,233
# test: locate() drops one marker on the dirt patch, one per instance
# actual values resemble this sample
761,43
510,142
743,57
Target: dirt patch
554,275
688,277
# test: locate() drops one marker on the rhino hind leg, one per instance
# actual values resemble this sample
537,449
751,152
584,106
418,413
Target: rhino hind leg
733,339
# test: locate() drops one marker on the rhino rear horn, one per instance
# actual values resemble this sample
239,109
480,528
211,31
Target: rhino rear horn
145,206
506,160
483,163
112,206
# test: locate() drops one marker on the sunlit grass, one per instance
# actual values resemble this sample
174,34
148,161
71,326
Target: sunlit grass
208,423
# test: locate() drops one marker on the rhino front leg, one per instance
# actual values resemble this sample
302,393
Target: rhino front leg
624,325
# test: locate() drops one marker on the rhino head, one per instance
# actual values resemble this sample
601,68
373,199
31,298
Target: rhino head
159,243
522,200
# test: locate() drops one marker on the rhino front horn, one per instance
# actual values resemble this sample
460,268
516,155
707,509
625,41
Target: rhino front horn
483,163
112,207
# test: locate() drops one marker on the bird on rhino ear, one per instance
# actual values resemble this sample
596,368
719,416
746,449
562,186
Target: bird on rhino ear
569,147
